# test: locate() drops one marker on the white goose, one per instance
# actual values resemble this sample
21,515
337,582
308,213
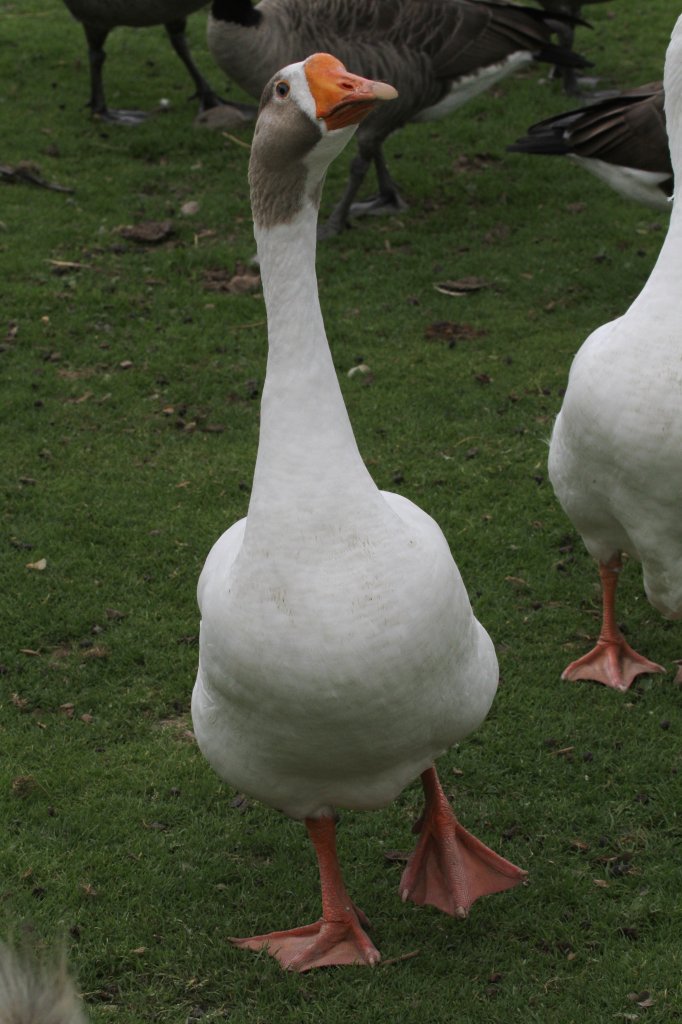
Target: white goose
339,653
615,458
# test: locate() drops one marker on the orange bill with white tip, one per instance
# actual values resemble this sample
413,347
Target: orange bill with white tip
341,98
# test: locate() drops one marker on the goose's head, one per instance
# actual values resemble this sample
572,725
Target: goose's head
308,113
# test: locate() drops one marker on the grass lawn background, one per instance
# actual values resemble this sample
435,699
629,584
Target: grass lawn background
130,395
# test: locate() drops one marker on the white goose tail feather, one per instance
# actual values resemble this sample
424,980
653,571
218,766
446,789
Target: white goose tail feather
36,992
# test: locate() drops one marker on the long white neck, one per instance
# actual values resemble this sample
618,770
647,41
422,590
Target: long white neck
661,295
309,469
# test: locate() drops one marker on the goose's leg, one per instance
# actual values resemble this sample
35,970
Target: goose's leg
98,104
611,661
339,936
449,867
388,200
205,94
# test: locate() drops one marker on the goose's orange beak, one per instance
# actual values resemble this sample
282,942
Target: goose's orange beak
341,98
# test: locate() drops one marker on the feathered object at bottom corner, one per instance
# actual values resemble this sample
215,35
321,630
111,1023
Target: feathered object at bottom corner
36,991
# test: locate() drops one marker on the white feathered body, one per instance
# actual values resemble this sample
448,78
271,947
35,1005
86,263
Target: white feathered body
339,653
616,452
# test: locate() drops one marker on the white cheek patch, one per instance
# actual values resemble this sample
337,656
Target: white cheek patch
300,90
331,143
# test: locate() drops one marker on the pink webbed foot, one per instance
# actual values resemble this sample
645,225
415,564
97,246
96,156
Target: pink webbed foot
611,662
449,867
339,936
322,944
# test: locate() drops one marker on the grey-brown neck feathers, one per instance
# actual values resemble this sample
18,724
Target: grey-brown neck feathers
283,137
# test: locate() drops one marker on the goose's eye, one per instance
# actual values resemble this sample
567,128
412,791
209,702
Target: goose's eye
282,89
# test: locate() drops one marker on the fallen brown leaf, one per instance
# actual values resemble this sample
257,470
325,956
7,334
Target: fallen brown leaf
465,164
642,999
81,398
463,286
223,118
451,332
23,785
150,232
396,856
241,280
28,173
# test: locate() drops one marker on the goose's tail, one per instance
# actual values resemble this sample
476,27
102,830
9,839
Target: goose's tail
36,992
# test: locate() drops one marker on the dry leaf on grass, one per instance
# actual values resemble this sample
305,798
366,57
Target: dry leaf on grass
463,286
38,566
452,332
23,785
28,173
150,232
96,651
242,279
478,162
642,999
85,397
224,118
60,267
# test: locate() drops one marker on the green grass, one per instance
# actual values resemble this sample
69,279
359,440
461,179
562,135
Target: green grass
130,424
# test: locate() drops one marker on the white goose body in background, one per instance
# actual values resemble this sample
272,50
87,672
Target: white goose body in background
615,457
339,653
